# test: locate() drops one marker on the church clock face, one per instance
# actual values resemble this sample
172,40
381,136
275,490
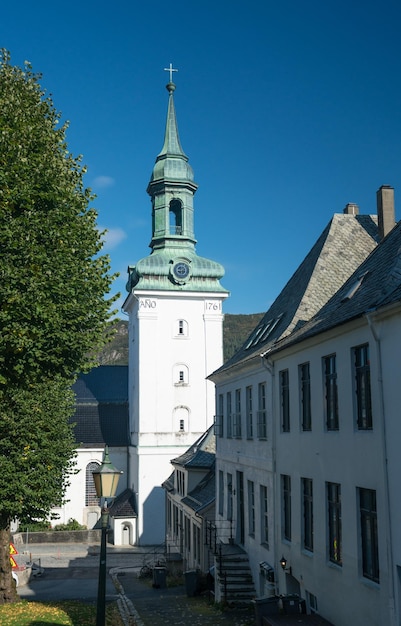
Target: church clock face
181,270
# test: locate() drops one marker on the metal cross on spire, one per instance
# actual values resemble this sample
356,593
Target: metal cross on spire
171,70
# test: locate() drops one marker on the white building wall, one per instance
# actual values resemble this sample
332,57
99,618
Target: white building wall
387,332
191,556
352,458
254,458
168,414
74,507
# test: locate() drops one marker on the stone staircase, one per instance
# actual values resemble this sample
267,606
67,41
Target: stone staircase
234,577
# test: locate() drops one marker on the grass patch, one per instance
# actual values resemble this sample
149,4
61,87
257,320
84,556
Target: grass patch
65,613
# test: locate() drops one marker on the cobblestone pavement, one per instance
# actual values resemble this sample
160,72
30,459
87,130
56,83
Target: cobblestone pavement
172,607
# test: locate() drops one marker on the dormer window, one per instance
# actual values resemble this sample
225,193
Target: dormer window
180,482
262,332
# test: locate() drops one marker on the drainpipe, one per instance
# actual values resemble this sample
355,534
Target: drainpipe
373,329
269,366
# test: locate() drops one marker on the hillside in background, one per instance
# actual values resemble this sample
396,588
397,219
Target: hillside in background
235,330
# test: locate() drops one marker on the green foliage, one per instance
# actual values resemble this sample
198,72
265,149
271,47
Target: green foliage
37,526
53,312
72,524
37,448
63,613
53,279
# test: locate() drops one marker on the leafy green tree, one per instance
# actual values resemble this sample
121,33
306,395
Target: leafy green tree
53,311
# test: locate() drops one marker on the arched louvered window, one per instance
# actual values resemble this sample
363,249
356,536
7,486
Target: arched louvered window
91,498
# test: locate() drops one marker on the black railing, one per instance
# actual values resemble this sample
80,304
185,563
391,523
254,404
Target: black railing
218,532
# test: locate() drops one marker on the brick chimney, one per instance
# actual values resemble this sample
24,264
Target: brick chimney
385,210
351,209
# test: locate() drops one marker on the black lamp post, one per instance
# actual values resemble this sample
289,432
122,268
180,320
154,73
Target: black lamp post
106,481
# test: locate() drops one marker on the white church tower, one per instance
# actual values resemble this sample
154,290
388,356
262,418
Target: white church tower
175,334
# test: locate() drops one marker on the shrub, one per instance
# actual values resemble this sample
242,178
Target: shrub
72,524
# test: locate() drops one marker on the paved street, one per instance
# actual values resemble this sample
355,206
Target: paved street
71,573
71,570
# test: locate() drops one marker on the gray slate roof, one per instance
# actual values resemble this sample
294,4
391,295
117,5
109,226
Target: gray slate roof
204,493
343,245
168,484
201,454
101,416
106,383
375,284
124,505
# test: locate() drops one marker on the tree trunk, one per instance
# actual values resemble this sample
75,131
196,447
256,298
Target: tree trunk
8,592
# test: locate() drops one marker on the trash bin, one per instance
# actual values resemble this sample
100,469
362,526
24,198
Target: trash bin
264,607
291,604
191,582
159,577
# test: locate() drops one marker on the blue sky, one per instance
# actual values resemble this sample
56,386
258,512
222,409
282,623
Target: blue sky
287,110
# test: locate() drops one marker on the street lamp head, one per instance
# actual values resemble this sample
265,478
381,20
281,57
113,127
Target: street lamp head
283,563
106,477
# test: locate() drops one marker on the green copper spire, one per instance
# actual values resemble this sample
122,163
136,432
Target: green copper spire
172,146
172,188
173,263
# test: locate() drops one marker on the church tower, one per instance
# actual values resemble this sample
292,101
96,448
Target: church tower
174,305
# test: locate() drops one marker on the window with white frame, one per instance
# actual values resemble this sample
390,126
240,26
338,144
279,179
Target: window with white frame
251,508
196,543
175,521
362,387
169,515
286,506
237,414
229,416
180,374
181,328
333,491
284,400
219,419
181,529
229,496
311,600
264,517
307,512
331,392
305,396
180,482
249,412
220,495
262,416
187,533
181,418
369,534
